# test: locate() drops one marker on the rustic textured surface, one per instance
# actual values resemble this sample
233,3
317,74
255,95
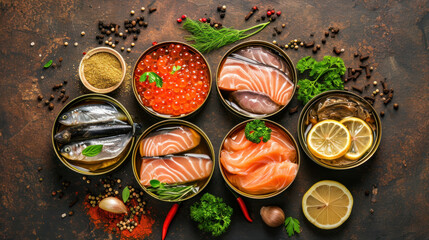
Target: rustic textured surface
394,33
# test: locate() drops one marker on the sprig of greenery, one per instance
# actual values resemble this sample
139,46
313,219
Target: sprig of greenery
92,150
292,226
325,75
166,191
207,38
256,129
153,77
175,69
212,214
48,64
125,194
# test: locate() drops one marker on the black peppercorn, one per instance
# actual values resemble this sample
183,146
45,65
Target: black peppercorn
40,97
47,102
108,32
116,41
222,15
135,37
138,31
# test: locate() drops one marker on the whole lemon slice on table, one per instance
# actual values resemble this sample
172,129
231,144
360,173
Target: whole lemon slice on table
327,204
361,135
329,139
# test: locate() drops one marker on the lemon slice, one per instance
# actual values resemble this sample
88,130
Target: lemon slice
361,135
329,140
327,204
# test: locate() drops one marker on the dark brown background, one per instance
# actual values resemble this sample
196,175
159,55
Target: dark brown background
394,33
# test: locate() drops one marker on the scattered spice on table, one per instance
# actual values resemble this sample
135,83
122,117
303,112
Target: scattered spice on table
102,70
134,225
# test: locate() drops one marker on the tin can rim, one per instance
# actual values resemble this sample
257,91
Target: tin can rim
288,61
259,196
90,96
357,163
137,96
165,123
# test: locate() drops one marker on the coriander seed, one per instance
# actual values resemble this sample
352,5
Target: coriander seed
66,43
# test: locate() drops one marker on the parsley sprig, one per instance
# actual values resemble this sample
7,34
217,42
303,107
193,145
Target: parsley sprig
324,75
153,77
292,226
255,130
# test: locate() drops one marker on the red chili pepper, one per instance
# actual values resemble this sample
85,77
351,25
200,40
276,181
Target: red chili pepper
168,219
242,206
244,209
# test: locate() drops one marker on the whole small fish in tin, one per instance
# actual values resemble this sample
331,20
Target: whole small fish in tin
91,113
112,147
91,131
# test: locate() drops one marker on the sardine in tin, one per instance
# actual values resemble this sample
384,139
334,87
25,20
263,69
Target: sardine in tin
75,102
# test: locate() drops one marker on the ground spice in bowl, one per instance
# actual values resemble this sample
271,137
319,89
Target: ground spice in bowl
102,70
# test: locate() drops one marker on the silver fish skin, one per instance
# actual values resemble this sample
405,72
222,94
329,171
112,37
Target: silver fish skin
265,56
91,131
112,147
91,113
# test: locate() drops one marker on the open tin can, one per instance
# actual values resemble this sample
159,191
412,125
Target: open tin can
105,166
182,94
204,147
284,67
280,129
305,124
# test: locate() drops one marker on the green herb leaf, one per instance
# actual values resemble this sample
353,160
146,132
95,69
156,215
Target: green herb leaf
323,76
125,194
292,226
212,214
256,129
155,183
153,77
92,150
175,69
48,64
206,38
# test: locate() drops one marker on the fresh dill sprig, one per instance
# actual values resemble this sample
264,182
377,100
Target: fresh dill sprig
206,38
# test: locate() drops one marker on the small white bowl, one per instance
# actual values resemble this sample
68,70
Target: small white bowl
100,50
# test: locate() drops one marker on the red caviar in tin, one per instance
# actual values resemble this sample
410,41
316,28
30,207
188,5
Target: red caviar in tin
184,90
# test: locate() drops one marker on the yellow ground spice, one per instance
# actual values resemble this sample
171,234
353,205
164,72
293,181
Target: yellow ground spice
102,70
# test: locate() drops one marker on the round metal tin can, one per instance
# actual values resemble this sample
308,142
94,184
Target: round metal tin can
256,43
239,127
302,130
150,110
136,158
86,170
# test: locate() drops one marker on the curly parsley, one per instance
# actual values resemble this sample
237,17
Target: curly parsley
255,130
324,75
212,214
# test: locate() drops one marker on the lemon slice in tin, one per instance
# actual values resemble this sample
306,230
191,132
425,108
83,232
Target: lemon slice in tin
329,139
361,136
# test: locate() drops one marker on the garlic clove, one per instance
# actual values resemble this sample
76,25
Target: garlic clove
113,205
272,216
